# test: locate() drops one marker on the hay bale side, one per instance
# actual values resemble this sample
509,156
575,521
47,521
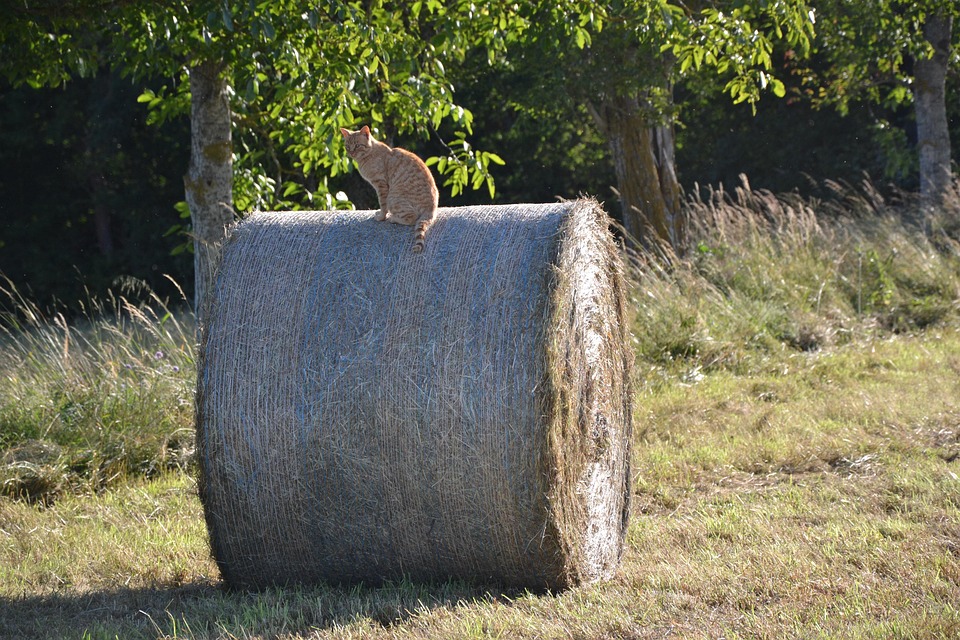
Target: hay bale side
364,413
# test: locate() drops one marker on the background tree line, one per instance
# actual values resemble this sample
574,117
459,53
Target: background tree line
107,105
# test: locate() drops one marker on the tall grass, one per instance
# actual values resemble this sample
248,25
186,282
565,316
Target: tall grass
767,273
797,438
88,402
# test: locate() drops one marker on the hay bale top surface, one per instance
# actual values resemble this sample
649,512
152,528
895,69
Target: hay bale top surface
353,232
367,413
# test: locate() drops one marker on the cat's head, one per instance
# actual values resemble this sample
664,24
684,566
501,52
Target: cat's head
357,141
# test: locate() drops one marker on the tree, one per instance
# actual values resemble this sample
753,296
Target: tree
621,61
284,74
933,133
892,52
295,74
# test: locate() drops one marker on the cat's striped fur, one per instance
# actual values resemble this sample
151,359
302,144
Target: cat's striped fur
404,184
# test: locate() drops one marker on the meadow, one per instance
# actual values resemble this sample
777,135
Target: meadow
796,454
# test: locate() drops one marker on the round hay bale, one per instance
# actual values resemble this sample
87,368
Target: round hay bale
367,414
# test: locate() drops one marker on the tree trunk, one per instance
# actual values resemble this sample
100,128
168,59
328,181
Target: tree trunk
209,180
643,158
933,135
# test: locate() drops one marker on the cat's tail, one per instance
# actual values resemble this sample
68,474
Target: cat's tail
421,238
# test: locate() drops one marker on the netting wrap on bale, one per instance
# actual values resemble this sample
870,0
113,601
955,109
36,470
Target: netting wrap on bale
366,414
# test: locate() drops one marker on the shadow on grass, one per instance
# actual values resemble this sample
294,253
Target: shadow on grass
208,610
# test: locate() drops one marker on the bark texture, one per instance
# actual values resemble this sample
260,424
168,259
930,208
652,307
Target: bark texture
643,158
209,180
933,134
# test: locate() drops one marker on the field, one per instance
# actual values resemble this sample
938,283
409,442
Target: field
796,457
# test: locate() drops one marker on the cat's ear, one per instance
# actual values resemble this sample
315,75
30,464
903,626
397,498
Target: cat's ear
346,134
365,130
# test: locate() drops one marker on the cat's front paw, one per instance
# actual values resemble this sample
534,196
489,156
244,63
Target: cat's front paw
380,215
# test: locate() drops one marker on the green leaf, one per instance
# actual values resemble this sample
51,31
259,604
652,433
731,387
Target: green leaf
253,90
494,158
176,228
778,89
698,55
581,37
227,17
268,30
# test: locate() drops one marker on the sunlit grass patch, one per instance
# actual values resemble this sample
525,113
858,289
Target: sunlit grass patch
814,498
768,273
89,402
146,534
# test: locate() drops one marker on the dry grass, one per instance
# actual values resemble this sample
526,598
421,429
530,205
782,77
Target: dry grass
819,498
88,403
774,272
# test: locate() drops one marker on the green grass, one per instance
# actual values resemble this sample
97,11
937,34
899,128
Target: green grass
84,405
796,457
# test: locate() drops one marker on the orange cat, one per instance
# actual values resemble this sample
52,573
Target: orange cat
404,184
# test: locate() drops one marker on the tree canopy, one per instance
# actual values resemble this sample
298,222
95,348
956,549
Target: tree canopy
581,73
284,75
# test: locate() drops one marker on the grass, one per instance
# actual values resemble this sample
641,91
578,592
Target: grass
84,405
797,461
768,273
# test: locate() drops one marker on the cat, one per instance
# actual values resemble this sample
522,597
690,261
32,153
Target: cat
404,184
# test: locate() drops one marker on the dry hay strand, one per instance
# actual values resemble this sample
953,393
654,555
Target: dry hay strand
367,414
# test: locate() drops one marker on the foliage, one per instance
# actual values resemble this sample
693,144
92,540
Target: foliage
298,74
870,49
48,43
389,66
511,83
622,48
738,38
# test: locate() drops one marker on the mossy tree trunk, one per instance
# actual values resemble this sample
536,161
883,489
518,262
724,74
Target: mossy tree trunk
643,158
209,180
933,134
